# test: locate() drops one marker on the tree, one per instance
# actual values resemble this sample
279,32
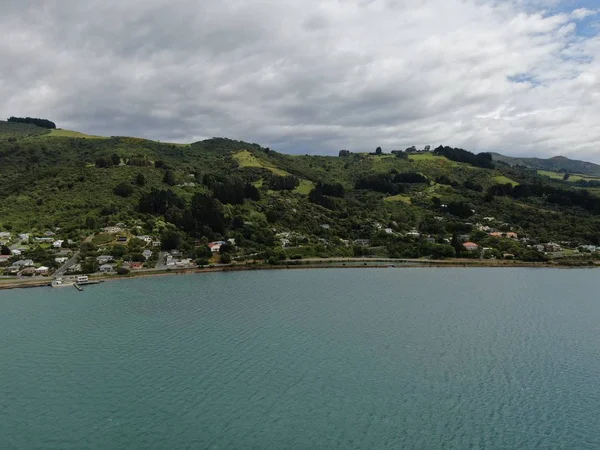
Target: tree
5,250
225,258
202,262
122,271
169,178
567,176
123,189
140,179
378,151
344,153
115,159
170,240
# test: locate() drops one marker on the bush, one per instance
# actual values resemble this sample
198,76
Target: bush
123,189
225,258
202,262
122,271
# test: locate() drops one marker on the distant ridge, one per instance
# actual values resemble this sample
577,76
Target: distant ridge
554,164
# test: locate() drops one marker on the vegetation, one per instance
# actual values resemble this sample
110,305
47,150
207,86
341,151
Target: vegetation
43,123
263,205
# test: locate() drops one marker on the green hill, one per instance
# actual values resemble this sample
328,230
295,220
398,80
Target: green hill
554,164
278,205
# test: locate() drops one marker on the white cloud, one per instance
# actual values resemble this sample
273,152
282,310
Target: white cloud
309,75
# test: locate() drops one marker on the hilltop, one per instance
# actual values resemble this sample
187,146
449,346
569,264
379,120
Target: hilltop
558,164
253,202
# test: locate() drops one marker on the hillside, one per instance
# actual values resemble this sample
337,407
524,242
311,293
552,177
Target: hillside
277,206
554,164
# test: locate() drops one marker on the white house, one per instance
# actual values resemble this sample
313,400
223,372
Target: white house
106,268
24,236
413,233
103,259
112,230
231,241
147,253
42,270
147,239
61,259
156,243
388,231
58,243
325,226
49,233
4,234
23,263
16,252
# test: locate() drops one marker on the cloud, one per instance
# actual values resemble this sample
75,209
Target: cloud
309,76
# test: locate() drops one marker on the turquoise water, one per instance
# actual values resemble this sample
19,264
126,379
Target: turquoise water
306,359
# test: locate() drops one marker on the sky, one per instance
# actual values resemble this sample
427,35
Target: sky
521,77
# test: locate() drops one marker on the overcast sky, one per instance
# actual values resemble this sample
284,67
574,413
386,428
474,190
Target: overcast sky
312,76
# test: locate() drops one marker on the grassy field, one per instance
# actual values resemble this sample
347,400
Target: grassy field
399,198
305,187
73,134
501,179
246,159
572,177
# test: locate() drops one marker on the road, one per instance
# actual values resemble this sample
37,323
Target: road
72,260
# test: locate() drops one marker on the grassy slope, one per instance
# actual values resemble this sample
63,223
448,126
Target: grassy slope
51,180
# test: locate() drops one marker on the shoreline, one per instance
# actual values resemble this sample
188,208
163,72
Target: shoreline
340,263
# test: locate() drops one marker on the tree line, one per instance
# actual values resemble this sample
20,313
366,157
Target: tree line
44,123
459,155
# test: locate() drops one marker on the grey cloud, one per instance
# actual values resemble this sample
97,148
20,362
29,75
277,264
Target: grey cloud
305,75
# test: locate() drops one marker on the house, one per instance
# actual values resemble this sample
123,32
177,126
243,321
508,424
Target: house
285,242
61,259
147,253
4,235
74,268
471,246
12,270
511,235
136,265
16,252
589,248
325,226
489,219
58,243
112,230
346,242
429,240
24,237
496,234
4,258
28,271
122,239
147,239
23,263
156,243
362,242
231,241
413,233
508,256
216,246
388,231
464,238
106,268
552,247
42,270
49,233
539,247
103,259
43,239
82,279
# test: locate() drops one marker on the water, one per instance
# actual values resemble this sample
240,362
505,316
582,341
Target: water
306,359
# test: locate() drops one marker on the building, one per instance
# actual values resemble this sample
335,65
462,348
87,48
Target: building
74,268
135,265
511,235
106,268
16,252
61,259
147,253
156,243
471,246
5,235
43,239
103,259
147,239
388,231
325,226
362,242
23,263
24,237
4,258
216,246
81,279
496,234
413,233
58,243
112,230
42,270
122,239
49,233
